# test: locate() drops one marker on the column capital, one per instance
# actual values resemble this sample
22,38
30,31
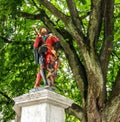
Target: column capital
44,96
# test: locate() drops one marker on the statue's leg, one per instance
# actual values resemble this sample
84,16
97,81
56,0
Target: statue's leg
36,55
42,69
43,74
38,79
51,80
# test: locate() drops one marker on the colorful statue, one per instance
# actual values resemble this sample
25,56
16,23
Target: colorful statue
45,48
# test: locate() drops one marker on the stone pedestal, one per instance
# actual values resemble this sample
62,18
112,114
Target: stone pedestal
41,106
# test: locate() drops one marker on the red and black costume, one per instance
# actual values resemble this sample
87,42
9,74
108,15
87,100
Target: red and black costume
43,46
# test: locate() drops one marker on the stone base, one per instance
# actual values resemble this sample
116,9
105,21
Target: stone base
41,106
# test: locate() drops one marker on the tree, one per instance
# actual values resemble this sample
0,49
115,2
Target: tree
88,31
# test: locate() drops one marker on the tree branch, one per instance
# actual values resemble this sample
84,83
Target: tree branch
74,14
78,71
108,36
54,10
95,22
30,16
77,111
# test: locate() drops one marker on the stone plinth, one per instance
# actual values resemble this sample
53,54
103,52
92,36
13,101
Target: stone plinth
41,106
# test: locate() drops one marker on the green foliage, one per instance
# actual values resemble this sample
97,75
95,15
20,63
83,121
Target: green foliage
9,8
17,67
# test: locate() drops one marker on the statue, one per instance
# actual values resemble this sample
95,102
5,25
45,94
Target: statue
45,53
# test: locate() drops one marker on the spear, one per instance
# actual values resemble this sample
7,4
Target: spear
36,31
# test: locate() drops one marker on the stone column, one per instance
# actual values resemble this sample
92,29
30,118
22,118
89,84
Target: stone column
41,106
